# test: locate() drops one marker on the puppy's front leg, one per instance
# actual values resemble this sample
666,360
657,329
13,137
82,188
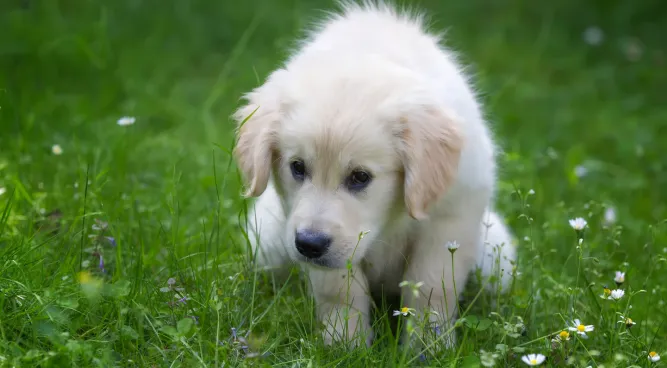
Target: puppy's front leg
342,304
431,263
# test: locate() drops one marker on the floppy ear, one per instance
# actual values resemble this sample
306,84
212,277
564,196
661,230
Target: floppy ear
430,144
258,122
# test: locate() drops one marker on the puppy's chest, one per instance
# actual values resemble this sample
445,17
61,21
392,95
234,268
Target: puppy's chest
386,261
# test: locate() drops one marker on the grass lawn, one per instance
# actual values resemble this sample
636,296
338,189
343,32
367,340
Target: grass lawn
124,249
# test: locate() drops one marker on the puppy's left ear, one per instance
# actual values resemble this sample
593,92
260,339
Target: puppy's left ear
258,123
430,144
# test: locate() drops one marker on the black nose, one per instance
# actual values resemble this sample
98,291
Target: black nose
312,244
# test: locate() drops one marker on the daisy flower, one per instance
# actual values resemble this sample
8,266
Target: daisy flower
3,190
578,223
126,120
533,359
580,328
616,294
57,150
405,311
453,246
627,321
564,335
653,356
609,216
619,279
593,36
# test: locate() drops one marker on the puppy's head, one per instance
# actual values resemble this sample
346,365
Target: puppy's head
348,152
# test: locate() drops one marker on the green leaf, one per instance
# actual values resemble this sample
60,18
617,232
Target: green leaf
519,349
121,288
169,330
129,332
185,327
474,323
484,324
471,361
501,348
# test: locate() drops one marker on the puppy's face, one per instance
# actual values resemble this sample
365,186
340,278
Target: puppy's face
346,155
340,176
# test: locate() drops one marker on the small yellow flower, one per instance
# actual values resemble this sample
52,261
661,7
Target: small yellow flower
606,292
627,321
85,277
405,311
57,150
91,286
653,356
564,335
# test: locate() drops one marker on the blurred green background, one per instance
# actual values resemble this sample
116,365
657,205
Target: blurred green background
575,92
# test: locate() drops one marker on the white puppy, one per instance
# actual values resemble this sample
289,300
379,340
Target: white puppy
371,128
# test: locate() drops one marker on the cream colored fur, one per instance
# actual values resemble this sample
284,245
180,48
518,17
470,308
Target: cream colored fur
369,88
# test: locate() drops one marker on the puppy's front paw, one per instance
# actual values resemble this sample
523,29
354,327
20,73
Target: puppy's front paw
351,329
430,338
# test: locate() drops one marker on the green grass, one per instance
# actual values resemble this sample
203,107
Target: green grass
169,192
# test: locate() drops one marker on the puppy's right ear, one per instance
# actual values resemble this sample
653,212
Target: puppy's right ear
258,121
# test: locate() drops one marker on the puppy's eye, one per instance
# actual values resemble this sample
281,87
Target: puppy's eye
298,169
358,180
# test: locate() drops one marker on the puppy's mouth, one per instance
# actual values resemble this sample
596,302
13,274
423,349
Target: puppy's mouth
323,262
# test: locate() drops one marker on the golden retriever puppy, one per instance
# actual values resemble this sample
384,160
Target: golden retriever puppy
371,159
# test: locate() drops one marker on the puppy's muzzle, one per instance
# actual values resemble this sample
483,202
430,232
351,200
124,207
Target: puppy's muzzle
312,244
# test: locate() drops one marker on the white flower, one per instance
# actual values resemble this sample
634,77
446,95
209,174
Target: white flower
610,216
3,190
56,150
580,328
580,171
619,278
453,246
616,294
531,192
593,36
405,311
653,356
126,120
578,223
533,359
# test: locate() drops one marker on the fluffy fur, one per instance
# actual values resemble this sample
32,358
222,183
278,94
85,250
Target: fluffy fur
369,89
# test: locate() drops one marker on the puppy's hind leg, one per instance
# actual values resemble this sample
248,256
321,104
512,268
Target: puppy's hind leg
497,252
